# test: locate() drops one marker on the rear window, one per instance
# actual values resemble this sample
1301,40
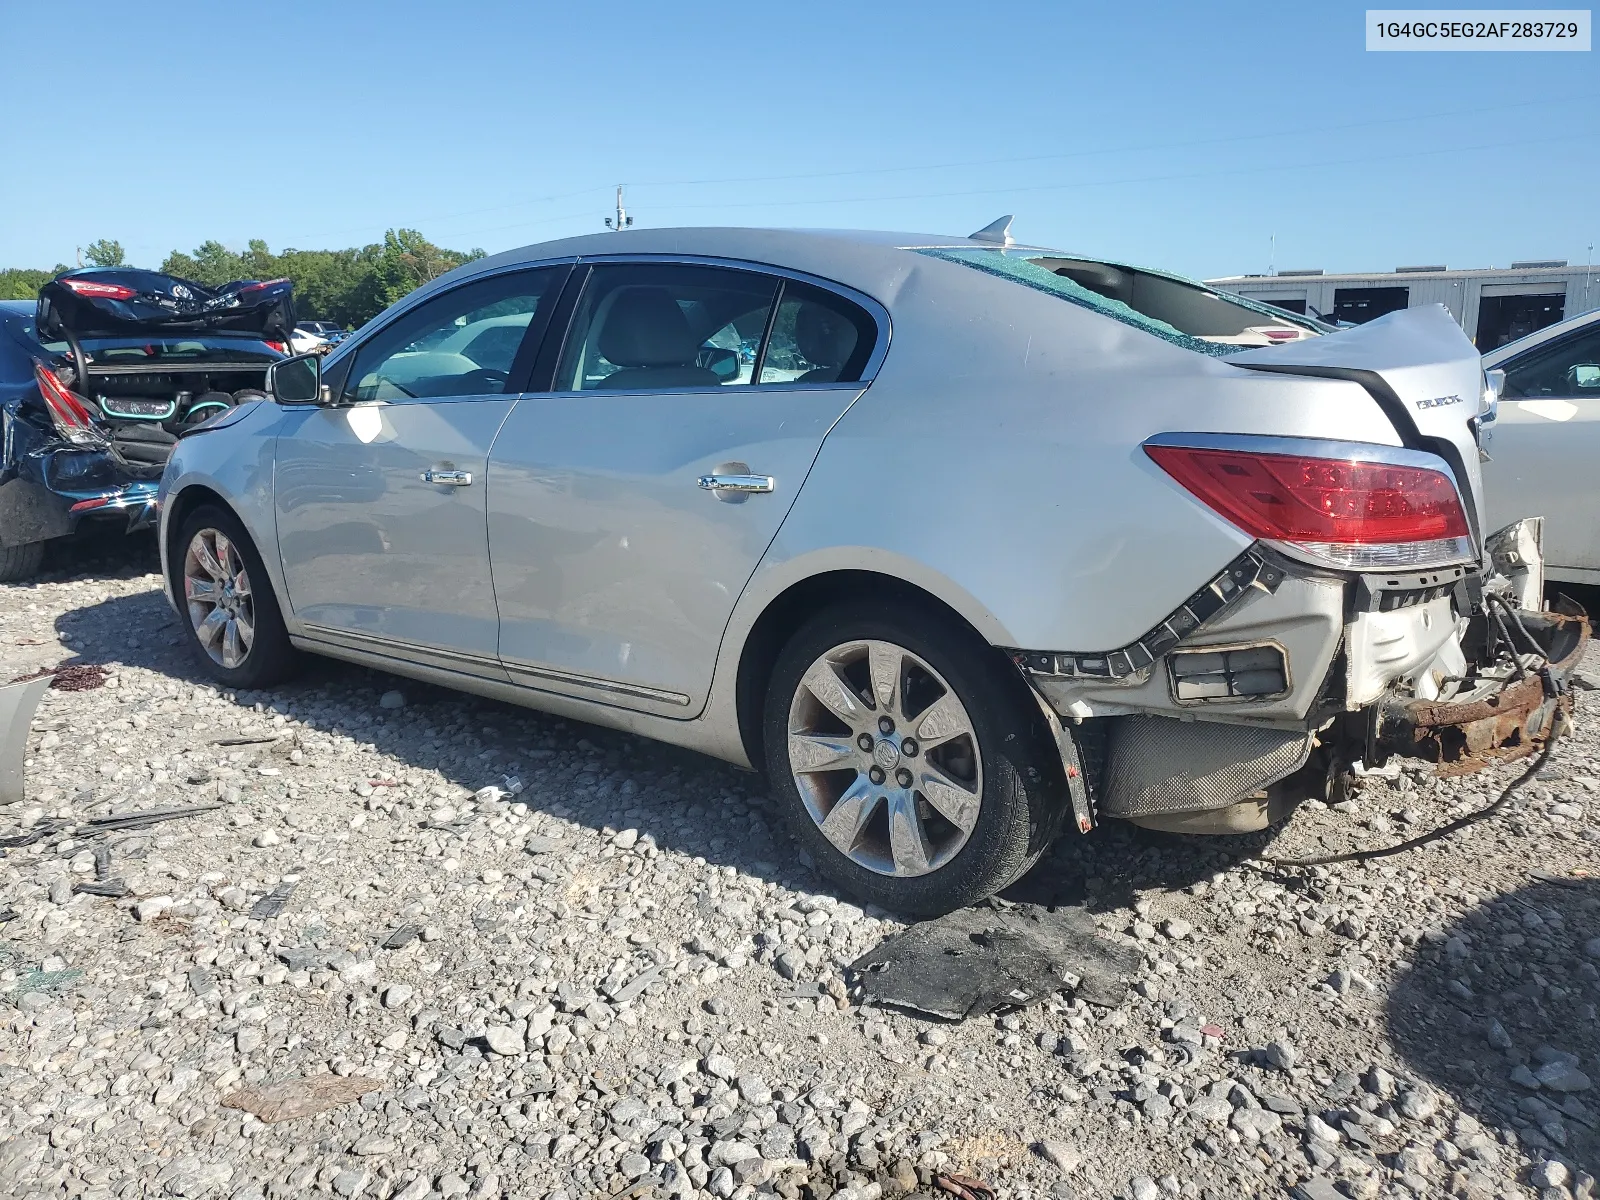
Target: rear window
107,352
1179,310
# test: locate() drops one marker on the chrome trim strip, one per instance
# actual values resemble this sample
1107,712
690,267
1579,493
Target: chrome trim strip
515,668
510,666
385,643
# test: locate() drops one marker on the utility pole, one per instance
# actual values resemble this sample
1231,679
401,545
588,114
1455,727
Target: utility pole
622,220
1587,271
1272,255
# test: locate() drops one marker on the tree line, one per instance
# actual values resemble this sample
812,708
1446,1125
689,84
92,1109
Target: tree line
347,286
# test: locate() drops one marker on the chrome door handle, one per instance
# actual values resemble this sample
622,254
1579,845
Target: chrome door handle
737,484
447,478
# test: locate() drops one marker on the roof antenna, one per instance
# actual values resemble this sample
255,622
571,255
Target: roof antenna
998,232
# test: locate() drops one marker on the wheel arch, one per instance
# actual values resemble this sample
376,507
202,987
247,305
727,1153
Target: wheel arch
787,611
178,508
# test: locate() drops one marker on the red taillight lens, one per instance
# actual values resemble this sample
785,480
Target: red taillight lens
91,287
1286,497
280,347
257,286
68,412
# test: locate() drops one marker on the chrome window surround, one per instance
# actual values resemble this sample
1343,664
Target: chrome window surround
1441,552
877,311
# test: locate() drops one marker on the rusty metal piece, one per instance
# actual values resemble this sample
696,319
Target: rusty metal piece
963,1187
1460,739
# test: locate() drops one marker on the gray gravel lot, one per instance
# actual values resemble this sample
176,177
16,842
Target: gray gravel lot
613,975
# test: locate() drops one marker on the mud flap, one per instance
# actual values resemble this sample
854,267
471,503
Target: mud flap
17,704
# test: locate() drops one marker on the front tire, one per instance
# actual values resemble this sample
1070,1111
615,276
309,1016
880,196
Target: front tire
20,563
907,759
232,617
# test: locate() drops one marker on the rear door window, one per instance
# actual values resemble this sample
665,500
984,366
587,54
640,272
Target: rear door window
666,326
817,337
1568,368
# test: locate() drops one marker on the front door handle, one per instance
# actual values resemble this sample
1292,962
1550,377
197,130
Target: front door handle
739,485
447,478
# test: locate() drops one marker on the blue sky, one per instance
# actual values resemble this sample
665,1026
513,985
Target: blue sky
1177,135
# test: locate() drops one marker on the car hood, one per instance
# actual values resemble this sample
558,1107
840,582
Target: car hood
1420,368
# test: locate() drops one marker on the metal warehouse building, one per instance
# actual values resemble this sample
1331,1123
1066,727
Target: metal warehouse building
1494,306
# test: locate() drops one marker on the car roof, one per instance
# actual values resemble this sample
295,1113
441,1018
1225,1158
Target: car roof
1538,337
871,261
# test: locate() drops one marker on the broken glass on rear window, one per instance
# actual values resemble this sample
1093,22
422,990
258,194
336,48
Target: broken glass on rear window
1181,311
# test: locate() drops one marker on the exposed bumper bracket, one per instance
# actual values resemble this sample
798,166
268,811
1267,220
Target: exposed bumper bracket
1460,738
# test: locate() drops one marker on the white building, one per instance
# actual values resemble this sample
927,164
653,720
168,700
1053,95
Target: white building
1494,306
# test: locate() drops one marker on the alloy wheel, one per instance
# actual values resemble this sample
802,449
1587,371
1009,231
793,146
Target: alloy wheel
885,758
216,589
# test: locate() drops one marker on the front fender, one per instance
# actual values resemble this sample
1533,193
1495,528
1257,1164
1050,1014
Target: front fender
235,464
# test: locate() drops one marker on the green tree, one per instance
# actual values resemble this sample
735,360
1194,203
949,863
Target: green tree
105,254
19,283
349,286
410,260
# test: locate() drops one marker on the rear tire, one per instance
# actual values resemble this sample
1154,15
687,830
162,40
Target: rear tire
920,827
244,644
19,563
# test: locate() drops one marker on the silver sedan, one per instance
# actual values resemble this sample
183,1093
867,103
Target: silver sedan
962,541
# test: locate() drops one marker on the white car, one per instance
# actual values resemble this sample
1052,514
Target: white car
1545,444
302,341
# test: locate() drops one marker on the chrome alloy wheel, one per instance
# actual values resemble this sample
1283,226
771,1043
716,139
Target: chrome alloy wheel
216,590
885,758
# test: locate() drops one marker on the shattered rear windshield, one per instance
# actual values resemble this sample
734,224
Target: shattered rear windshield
1178,310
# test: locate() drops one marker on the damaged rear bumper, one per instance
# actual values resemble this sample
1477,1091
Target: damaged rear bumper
49,488
1277,679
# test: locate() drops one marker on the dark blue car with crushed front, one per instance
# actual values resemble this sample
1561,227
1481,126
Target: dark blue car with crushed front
98,381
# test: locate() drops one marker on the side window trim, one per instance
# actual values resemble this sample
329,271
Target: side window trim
766,334
543,374
522,363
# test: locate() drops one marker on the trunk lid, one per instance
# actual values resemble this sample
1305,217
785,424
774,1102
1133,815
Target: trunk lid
122,300
1420,368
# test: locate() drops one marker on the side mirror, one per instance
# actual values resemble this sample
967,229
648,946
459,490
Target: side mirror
720,361
296,380
1586,376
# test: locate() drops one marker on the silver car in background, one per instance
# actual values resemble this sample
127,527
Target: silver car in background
961,541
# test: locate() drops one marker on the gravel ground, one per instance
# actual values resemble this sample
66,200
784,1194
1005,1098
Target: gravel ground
622,979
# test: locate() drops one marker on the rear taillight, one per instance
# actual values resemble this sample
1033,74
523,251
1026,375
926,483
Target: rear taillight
68,411
259,284
92,287
1344,512
280,347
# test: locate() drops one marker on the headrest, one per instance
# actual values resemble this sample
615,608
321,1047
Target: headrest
825,338
646,328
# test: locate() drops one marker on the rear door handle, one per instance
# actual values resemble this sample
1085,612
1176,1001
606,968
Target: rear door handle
447,478
742,485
